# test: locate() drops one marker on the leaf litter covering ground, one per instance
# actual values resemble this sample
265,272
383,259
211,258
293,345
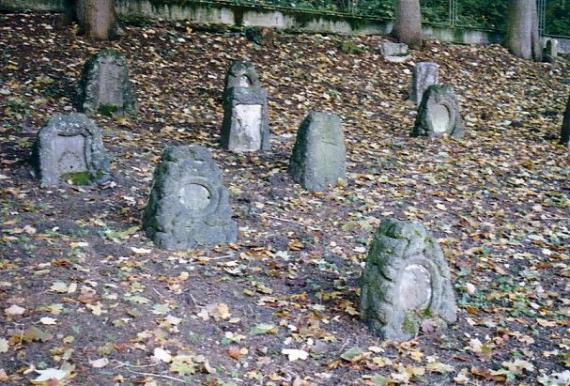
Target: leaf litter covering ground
87,299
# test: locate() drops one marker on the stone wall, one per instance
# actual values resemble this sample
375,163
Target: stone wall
280,18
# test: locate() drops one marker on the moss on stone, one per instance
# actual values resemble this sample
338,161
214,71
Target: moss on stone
78,178
108,110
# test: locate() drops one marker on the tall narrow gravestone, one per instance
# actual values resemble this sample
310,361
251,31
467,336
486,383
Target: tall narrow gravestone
246,123
319,154
565,133
406,282
105,86
188,205
425,74
439,114
70,147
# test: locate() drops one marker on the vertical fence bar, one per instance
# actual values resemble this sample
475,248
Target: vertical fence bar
541,6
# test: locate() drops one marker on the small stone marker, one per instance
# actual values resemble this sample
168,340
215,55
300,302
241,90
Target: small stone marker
551,50
439,114
425,74
70,147
105,87
319,154
406,282
188,205
395,52
565,133
246,122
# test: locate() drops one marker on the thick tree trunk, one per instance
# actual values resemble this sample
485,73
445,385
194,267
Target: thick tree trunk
565,134
523,39
408,22
97,18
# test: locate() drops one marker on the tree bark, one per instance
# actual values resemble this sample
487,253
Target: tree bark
523,39
97,19
408,22
565,134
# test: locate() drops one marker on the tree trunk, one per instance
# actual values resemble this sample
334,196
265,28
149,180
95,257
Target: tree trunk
523,39
96,18
408,22
565,134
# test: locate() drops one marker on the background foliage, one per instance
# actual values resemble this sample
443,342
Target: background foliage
486,14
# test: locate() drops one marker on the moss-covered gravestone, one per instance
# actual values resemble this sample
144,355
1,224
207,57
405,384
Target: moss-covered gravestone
246,122
319,154
439,114
406,282
105,86
70,148
425,74
188,205
565,133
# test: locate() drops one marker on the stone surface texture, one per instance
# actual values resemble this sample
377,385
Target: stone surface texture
565,133
395,52
551,50
188,205
105,85
406,282
439,114
70,143
319,154
425,74
240,74
245,126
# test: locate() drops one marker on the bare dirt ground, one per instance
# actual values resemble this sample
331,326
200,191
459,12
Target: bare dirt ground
85,297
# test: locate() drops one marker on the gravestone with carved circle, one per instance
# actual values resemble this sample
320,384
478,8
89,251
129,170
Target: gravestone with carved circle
188,205
70,148
439,114
406,282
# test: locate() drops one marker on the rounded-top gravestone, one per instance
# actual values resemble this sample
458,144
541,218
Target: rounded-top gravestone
439,114
240,74
70,147
425,74
406,282
319,154
188,205
105,86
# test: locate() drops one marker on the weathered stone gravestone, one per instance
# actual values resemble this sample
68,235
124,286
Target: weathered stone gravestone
406,282
551,50
246,122
240,74
565,133
105,86
425,74
319,154
188,205
70,148
395,52
439,114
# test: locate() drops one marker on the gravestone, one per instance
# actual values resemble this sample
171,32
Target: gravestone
565,133
188,205
105,86
395,52
245,126
319,154
425,74
551,50
439,114
70,147
406,282
240,74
